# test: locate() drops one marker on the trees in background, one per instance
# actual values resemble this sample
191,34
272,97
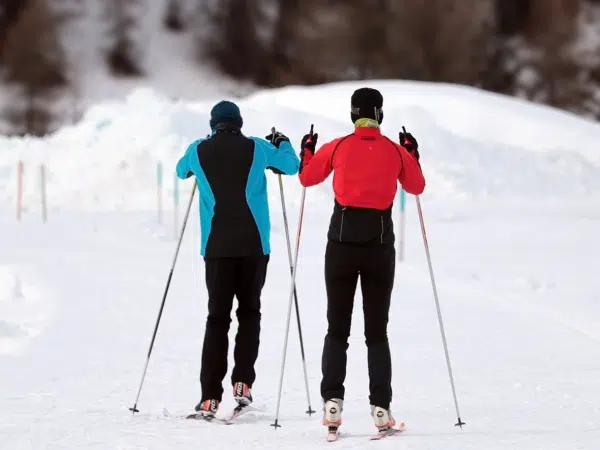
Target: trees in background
543,50
551,52
173,19
124,52
535,49
34,69
549,36
229,35
279,42
9,14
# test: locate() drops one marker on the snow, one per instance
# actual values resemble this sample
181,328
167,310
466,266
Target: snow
25,310
511,210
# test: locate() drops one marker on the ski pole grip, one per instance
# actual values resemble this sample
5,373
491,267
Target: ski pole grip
400,134
273,131
312,129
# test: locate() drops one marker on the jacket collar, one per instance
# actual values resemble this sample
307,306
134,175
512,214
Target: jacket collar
226,127
367,131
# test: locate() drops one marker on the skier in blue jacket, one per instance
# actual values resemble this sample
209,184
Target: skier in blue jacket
235,231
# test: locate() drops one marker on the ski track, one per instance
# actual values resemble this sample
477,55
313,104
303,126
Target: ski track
525,378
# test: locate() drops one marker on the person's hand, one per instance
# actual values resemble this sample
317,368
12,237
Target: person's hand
409,142
308,144
277,138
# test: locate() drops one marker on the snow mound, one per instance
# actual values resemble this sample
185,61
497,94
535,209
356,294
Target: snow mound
473,144
463,111
22,314
10,285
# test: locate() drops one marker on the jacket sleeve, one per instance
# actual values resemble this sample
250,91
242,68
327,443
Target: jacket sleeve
411,177
283,158
316,168
184,167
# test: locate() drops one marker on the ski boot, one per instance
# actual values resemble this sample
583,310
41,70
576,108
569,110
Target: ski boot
241,394
383,418
243,397
385,423
205,410
332,417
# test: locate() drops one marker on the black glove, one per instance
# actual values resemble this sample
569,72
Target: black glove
277,138
409,142
309,143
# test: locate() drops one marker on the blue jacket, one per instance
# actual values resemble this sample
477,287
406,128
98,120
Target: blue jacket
234,209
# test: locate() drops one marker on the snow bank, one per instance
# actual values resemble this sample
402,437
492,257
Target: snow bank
10,285
22,313
10,294
473,144
470,113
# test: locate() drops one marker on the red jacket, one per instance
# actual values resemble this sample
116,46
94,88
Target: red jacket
367,167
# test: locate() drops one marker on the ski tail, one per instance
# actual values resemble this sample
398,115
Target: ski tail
333,432
388,431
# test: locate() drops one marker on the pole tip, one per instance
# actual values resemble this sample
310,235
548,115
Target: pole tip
276,425
460,423
310,411
134,409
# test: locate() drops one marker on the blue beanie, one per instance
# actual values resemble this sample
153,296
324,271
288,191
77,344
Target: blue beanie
225,111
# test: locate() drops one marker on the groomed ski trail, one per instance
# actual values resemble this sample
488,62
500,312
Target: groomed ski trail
516,373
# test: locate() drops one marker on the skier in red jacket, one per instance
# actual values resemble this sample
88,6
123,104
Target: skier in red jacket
367,167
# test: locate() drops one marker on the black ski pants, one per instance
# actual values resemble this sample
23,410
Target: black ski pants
375,265
227,278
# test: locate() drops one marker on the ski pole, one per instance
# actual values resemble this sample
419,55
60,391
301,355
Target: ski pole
289,248
162,305
292,292
460,423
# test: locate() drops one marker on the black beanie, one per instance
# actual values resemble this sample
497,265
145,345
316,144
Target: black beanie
225,112
366,103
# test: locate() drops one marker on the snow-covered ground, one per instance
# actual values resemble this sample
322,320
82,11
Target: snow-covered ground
512,211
